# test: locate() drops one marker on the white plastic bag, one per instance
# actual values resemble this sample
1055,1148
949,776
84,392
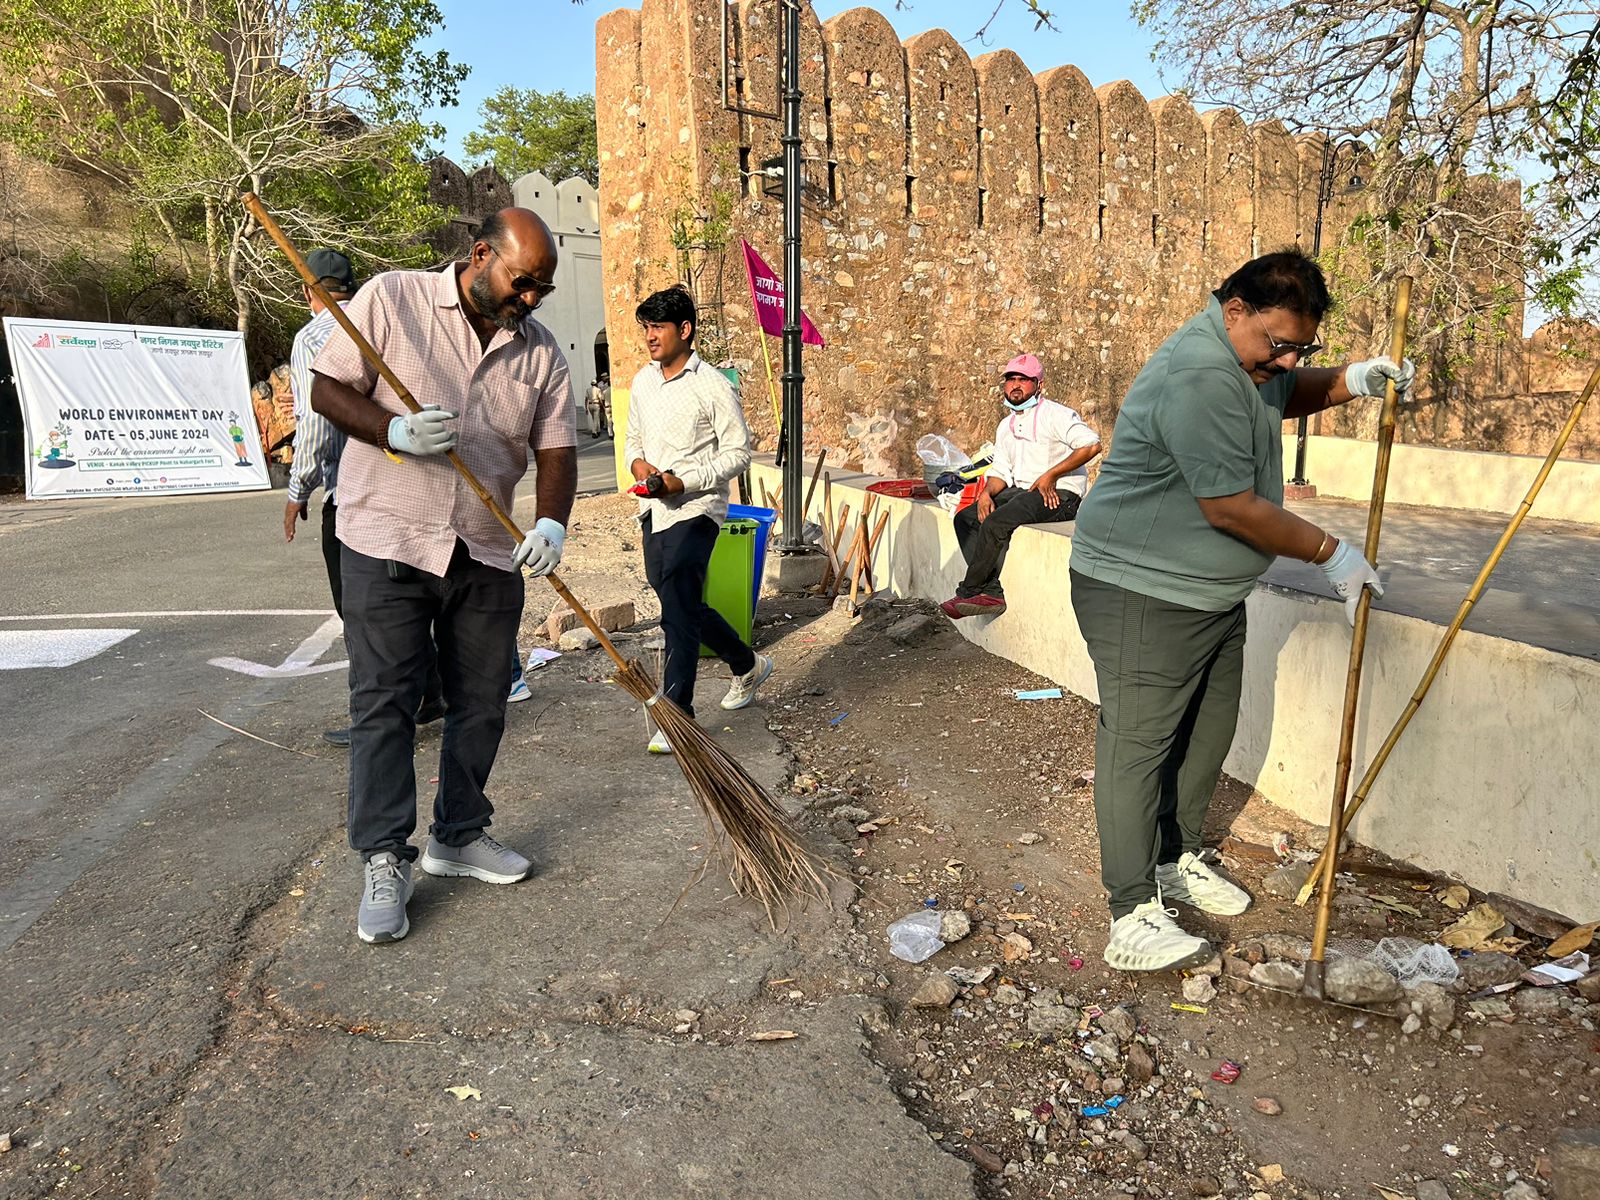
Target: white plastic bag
936,450
915,936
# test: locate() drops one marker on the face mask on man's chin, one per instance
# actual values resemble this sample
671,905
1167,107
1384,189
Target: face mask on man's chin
1021,405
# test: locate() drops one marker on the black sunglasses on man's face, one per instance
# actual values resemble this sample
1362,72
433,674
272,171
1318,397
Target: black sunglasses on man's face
1302,350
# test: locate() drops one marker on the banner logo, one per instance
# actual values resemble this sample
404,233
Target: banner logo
43,342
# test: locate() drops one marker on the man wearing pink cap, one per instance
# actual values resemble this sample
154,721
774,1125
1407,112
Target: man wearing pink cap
1041,452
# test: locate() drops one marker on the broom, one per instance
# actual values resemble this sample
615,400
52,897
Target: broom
764,856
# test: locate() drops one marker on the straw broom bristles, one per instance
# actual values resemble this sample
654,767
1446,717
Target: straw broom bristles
748,830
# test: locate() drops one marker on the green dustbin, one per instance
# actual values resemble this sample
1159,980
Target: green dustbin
730,578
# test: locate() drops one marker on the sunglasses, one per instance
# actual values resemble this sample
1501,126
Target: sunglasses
1301,350
525,283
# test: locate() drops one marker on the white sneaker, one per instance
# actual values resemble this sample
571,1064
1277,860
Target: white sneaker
1148,939
659,744
1193,881
744,686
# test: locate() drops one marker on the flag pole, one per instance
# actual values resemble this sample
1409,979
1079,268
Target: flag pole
772,391
792,436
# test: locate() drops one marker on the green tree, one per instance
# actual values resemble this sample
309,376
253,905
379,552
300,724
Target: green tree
315,105
1450,103
524,130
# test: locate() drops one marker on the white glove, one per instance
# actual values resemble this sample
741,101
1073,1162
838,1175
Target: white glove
425,432
1349,572
540,551
1368,377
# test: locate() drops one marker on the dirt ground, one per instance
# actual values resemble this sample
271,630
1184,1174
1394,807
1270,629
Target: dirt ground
978,802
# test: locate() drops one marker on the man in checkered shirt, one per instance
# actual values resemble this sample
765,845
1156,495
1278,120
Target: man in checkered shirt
686,439
423,560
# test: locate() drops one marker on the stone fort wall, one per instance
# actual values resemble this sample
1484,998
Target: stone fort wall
973,210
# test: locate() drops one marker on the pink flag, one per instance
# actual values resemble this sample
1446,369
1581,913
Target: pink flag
766,293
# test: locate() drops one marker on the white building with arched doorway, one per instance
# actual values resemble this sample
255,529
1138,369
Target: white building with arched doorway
575,313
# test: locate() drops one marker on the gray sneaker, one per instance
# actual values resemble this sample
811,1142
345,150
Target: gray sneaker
383,901
484,859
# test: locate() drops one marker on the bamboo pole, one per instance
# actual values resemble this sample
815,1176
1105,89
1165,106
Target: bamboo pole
1364,788
1315,966
872,549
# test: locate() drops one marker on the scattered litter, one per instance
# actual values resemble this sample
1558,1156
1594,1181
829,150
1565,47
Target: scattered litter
1100,1110
1453,897
952,867
1086,777
839,718
930,902
1282,844
5,1143
1398,906
538,656
1452,1151
1040,694
915,937
1411,961
1018,888
1389,1193
1474,929
1227,1071
465,1093
1564,970
297,891
1267,1106
1191,1008
1019,916
772,1035
1573,939
1075,963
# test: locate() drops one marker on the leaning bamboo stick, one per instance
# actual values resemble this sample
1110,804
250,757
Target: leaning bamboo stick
872,549
1364,788
855,576
1314,975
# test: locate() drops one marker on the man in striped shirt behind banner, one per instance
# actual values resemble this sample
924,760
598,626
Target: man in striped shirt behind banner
686,439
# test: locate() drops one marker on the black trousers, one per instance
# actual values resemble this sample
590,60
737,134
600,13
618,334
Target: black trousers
393,620
984,544
675,562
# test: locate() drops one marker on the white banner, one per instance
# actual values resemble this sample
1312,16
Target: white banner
123,410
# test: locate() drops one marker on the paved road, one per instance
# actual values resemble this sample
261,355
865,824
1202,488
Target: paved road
187,1011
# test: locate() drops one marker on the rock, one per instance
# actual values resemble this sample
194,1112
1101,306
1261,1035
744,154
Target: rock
1520,1190
1433,1004
954,924
1540,922
1575,1164
1536,1001
1267,1106
1008,994
909,629
1051,1018
1016,948
1205,1186
1283,976
1485,970
985,1158
1235,968
577,639
1029,839
1103,1048
1140,1063
1412,1024
1199,989
1288,947
1490,1006
1357,981
1286,882
1136,1150
1589,987
1114,1085
610,617
1432,1189
937,991
1119,1022
1213,967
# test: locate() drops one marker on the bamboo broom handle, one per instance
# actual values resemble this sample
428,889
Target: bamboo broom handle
1358,641
816,472
254,207
1364,788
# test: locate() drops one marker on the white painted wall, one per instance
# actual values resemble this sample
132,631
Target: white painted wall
574,313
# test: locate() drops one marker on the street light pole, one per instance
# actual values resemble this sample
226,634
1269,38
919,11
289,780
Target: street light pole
1325,177
792,432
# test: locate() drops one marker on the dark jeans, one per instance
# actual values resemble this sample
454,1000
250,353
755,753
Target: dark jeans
984,544
675,562
432,689
391,627
1170,679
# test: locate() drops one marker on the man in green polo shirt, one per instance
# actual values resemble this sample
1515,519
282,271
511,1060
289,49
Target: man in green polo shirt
1186,515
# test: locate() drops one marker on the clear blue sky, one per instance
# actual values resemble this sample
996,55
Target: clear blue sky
1101,39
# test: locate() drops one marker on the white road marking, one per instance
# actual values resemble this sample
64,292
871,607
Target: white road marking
176,612
300,660
23,649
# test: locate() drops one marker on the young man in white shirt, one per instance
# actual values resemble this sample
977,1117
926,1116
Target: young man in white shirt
686,439
1041,452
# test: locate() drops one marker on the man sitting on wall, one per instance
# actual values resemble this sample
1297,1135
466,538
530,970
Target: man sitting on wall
1041,451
